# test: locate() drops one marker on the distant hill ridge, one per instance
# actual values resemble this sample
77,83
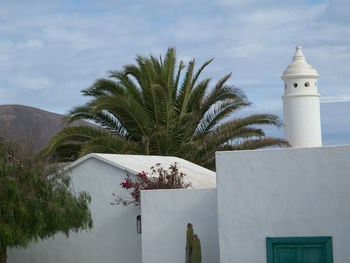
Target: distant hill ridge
19,121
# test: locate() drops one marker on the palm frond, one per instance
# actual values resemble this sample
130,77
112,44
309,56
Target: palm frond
222,136
197,95
67,152
128,85
218,112
148,82
177,79
263,119
103,87
168,68
129,113
194,80
106,144
256,143
77,134
222,91
156,65
102,118
79,113
134,71
109,122
185,91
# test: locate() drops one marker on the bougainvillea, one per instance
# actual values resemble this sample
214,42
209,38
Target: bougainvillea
159,178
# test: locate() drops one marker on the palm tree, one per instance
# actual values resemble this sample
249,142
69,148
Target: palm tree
151,108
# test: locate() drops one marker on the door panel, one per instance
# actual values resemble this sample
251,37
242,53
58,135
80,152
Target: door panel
287,255
313,255
299,253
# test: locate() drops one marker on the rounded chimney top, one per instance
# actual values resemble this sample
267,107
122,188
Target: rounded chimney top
299,67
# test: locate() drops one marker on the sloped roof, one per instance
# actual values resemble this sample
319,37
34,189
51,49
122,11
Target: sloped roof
199,176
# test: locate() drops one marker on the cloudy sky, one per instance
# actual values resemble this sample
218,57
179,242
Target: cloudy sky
50,50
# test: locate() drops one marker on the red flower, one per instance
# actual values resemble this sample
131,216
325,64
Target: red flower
159,179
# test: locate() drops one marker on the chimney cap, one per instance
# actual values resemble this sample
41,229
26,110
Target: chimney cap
299,67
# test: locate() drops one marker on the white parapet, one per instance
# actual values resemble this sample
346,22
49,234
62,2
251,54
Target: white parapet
300,192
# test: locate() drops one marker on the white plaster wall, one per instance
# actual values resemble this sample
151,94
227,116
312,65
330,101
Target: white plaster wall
302,122
113,238
165,214
280,193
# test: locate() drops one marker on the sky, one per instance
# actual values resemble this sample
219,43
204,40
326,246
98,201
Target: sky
51,50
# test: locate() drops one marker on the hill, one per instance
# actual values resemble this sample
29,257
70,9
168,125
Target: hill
19,121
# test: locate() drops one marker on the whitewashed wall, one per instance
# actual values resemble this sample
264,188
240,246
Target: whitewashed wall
113,238
279,193
165,214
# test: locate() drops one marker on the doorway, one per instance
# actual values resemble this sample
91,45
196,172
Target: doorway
299,250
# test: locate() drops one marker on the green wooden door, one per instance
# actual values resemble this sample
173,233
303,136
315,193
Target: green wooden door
313,254
299,250
285,254
299,253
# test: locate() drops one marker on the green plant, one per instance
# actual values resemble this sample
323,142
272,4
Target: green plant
193,246
36,199
151,108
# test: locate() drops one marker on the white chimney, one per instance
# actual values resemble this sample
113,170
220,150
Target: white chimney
301,103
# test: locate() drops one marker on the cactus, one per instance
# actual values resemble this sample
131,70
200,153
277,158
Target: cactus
193,246
196,250
189,236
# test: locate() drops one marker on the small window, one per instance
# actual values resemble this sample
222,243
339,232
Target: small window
295,84
285,86
299,249
315,84
307,84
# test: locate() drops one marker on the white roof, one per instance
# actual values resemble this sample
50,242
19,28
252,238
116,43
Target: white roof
299,67
198,176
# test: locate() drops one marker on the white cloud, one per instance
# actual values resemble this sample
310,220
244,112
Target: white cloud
33,83
54,49
33,43
332,99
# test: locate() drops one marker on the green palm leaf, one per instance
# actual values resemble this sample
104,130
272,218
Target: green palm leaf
195,100
103,87
220,92
185,91
218,111
79,134
151,107
127,84
110,144
177,79
253,144
129,113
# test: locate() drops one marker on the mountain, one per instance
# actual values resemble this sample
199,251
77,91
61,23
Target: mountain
21,122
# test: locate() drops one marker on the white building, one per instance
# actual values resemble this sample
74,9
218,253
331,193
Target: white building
284,204
270,206
287,205
114,237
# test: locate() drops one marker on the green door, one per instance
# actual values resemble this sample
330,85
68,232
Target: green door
300,253
285,255
313,254
299,250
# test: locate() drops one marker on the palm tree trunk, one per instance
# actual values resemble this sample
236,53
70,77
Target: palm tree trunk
3,255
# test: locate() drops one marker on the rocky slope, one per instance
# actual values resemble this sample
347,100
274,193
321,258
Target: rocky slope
21,122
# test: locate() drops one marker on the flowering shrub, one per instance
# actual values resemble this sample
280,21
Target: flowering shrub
158,179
